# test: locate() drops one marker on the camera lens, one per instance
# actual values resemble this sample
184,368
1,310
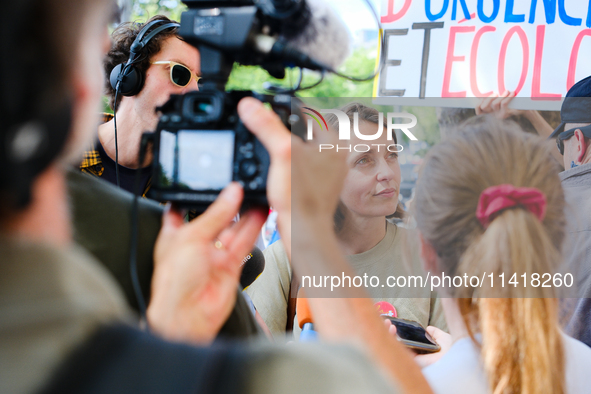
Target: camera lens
202,107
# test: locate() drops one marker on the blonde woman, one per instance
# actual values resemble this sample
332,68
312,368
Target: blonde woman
489,200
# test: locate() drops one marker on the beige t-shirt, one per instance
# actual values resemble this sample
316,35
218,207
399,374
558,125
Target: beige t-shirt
395,255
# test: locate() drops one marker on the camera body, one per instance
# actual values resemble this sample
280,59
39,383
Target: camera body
200,145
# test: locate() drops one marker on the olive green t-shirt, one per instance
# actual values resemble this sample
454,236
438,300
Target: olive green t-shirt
101,217
397,254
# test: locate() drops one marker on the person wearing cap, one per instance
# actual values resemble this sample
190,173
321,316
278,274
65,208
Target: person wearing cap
573,134
573,138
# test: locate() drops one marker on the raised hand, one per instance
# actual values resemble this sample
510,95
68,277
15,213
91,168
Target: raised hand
197,268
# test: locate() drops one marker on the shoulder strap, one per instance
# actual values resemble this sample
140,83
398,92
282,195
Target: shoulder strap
294,286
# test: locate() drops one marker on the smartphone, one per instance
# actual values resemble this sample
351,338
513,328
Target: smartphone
413,335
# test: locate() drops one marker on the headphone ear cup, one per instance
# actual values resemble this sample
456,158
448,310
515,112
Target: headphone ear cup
131,83
114,75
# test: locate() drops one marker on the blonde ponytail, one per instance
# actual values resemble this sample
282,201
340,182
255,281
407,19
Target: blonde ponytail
522,347
522,350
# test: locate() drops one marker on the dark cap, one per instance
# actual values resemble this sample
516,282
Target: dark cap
576,107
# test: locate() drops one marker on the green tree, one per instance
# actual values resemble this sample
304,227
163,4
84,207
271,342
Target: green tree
427,128
360,64
142,10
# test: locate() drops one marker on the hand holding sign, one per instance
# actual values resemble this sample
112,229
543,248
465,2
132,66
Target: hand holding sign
499,106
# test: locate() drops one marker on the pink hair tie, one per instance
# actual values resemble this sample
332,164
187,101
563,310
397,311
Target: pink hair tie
496,198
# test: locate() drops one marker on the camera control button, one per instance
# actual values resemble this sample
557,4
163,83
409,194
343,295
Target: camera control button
253,185
248,168
246,149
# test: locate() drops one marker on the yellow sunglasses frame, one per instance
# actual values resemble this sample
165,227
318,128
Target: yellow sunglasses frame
172,64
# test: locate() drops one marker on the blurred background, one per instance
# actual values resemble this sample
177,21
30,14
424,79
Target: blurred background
360,63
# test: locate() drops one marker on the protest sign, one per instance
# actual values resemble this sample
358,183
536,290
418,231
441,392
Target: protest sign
459,49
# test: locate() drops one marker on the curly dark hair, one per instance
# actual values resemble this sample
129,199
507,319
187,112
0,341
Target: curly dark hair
123,36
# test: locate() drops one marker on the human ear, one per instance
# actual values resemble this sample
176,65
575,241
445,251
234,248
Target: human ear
581,145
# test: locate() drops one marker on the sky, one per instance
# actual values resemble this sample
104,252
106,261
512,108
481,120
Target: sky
355,13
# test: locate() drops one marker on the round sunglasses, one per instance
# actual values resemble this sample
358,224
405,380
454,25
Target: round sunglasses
565,135
180,75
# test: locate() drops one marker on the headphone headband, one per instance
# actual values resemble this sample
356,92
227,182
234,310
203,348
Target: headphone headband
139,43
125,78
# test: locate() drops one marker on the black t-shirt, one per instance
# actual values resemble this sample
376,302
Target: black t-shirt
126,175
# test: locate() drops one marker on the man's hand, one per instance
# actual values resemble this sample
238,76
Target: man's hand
499,106
269,129
197,268
318,175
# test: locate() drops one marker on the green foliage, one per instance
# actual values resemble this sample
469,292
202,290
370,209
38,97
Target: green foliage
106,107
360,64
427,128
143,10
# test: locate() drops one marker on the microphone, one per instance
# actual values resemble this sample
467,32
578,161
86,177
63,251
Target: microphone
325,38
321,41
252,267
304,314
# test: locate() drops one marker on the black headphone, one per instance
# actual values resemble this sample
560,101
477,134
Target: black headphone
36,118
126,79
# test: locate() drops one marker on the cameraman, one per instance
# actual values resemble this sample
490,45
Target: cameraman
61,315
164,64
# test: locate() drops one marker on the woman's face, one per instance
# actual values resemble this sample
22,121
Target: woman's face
372,184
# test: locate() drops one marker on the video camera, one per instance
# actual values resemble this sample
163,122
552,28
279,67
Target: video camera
200,144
